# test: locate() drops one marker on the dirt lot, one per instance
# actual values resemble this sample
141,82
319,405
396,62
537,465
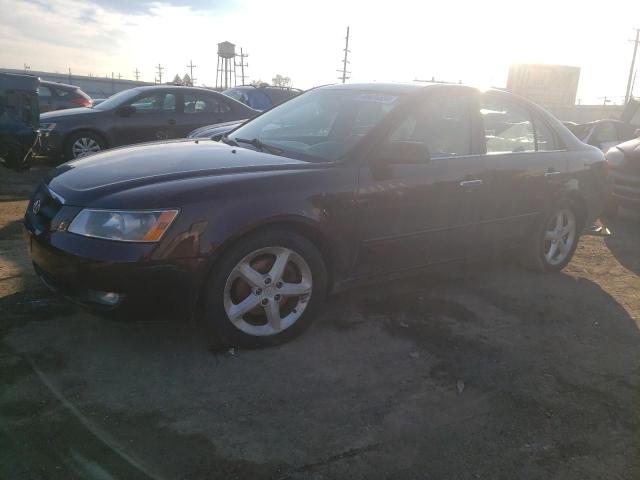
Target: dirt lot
479,373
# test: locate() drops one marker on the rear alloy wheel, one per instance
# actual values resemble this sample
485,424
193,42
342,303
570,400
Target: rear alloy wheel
560,237
265,290
555,240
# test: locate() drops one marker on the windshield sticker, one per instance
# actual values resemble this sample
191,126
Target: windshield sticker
376,98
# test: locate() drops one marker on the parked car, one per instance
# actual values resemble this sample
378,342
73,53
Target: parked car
262,97
216,131
60,96
19,118
604,134
624,164
340,185
137,115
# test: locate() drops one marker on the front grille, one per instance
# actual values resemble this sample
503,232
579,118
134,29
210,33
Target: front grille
48,203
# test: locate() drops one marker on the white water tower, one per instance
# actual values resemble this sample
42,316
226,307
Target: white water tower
226,72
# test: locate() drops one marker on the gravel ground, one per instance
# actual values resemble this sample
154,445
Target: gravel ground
477,372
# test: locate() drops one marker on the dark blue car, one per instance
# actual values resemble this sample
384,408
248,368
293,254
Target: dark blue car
262,97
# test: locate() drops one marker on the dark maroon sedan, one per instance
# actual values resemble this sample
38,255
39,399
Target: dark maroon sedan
339,185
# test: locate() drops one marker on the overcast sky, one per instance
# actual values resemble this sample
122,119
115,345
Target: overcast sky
472,41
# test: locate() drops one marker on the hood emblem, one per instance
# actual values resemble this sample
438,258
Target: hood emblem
36,207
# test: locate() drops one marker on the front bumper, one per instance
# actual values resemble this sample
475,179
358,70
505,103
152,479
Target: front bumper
78,267
49,144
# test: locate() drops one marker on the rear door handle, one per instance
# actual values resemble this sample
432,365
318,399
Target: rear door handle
172,121
471,183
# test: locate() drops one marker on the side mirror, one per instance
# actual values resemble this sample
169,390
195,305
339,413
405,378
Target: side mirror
126,110
402,152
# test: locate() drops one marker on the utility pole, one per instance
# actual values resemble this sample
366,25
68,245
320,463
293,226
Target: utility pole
191,66
242,64
344,70
633,64
69,75
137,74
26,67
160,68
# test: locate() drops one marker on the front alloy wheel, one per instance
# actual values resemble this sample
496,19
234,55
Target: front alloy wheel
268,291
264,290
84,146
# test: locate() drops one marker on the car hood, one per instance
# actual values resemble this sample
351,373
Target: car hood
210,130
130,167
69,112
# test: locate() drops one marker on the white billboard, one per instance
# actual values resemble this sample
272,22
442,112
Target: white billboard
548,85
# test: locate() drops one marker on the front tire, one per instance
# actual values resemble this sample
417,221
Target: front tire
82,144
554,239
265,290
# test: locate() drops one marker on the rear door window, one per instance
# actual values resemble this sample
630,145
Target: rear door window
198,103
507,127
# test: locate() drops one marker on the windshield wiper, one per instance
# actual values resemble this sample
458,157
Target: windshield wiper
263,147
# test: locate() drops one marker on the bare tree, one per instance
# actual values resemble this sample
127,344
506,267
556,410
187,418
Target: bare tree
280,81
177,80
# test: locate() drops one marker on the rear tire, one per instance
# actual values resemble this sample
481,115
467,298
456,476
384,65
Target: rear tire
250,297
554,239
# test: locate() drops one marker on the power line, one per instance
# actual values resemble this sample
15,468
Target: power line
344,71
633,64
191,66
242,64
159,69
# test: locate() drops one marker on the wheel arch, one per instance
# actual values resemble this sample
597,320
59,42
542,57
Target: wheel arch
303,226
76,131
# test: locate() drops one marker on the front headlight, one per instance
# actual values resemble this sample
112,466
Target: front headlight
125,226
614,157
47,127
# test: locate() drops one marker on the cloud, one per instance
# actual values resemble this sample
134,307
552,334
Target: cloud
147,6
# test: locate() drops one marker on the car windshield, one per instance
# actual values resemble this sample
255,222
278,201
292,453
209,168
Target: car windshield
321,125
116,100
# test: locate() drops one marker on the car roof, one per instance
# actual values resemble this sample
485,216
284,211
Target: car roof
147,88
56,84
378,87
18,81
